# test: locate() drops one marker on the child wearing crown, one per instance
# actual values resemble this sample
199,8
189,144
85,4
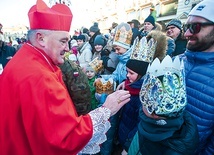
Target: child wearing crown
143,52
122,46
165,128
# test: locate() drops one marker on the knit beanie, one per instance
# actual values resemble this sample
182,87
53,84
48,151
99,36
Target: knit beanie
175,22
89,68
100,40
138,66
81,37
85,30
150,19
94,28
73,43
204,9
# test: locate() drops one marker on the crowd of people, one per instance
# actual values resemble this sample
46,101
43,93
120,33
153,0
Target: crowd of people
140,89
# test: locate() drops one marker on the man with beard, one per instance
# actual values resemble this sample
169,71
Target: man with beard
199,66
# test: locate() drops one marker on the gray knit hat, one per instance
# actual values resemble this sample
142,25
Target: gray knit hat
175,22
94,28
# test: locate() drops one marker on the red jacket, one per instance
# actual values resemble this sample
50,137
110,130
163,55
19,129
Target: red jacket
37,116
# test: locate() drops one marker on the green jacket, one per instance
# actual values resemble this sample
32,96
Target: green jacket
94,102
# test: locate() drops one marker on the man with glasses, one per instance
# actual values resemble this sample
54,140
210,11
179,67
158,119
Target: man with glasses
199,68
174,30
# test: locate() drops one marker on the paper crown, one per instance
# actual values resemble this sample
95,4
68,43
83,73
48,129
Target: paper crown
105,86
57,18
96,64
145,50
142,50
123,36
163,90
148,48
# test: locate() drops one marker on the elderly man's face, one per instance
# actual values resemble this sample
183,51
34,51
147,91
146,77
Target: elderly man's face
203,40
172,31
55,45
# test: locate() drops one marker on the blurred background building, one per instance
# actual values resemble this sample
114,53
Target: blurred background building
105,12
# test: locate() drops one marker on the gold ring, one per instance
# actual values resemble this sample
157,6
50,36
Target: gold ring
118,101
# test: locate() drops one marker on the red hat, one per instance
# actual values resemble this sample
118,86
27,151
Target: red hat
58,17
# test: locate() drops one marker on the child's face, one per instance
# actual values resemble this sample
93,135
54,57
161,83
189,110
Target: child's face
90,74
132,76
119,50
98,48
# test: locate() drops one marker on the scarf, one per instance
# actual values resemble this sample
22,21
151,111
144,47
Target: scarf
133,88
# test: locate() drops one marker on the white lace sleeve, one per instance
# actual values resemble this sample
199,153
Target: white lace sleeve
100,119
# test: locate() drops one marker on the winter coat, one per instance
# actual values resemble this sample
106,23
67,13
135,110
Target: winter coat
77,85
199,70
94,102
119,75
129,118
180,46
6,53
110,62
84,55
164,141
171,46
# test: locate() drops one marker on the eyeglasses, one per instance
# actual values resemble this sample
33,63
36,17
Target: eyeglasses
195,28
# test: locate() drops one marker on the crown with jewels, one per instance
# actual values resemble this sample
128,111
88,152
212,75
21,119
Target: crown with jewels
105,86
96,64
163,90
143,50
123,36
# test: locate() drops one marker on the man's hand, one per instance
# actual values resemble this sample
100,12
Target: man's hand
116,100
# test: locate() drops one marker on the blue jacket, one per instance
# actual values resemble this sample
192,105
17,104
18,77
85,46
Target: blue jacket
119,75
130,117
199,70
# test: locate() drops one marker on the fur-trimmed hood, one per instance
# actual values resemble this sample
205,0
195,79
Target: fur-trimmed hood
161,47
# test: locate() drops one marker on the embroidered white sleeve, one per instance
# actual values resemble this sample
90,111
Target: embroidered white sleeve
101,125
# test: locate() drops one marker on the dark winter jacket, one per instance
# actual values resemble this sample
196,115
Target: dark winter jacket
166,139
130,117
6,53
199,70
180,46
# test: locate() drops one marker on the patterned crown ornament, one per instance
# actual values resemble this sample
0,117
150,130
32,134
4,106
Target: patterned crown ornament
163,90
123,36
105,86
96,64
143,50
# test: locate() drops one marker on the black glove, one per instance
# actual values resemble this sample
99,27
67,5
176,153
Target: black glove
105,52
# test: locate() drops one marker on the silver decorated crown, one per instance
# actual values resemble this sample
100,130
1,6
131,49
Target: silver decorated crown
143,50
163,90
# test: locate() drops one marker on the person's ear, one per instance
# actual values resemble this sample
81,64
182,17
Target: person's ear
40,39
